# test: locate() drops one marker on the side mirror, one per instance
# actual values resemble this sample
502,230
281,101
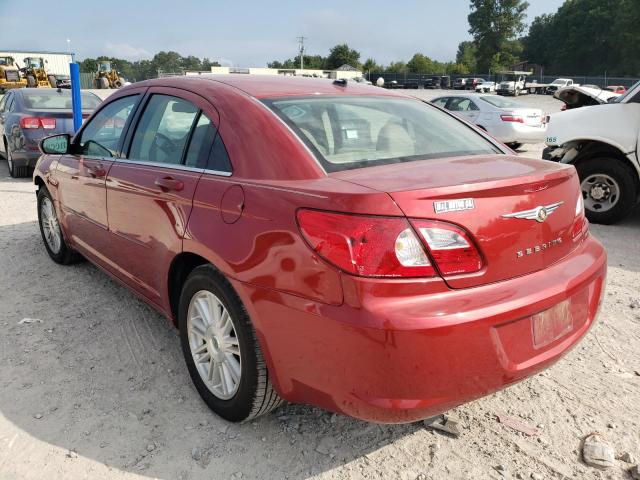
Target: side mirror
56,144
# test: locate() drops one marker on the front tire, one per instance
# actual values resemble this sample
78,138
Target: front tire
54,241
608,188
221,350
31,81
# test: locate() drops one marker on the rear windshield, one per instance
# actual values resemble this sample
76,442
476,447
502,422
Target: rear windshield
57,100
500,102
354,132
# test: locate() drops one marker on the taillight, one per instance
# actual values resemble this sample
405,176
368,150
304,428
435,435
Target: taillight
580,223
365,245
388,246
37,122
450,246
512,118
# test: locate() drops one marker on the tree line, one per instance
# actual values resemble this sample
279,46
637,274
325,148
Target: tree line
162,62
584,37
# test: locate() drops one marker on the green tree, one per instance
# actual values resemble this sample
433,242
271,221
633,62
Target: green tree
587,37
342,55
420,64
370,65
397,67
467,55
495,26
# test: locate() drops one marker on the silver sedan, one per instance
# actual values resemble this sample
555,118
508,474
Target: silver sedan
505,119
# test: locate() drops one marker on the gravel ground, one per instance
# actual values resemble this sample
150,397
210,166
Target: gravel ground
95,387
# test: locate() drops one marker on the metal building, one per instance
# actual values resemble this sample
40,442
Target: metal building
56,62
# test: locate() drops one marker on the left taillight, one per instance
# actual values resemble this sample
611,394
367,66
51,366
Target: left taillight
367,246
37,122
372,246
512,118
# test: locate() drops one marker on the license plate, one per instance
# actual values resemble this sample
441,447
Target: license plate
551,324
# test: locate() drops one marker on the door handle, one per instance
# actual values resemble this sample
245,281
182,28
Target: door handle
97,171
168,183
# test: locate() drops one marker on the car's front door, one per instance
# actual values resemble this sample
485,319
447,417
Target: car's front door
150,193
81,177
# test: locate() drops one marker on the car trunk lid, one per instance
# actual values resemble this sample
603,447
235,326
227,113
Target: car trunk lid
532,117
497,199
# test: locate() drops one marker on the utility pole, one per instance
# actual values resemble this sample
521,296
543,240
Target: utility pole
301,40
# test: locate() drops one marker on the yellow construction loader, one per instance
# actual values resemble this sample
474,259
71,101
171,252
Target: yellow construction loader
36,74
107,77
10,75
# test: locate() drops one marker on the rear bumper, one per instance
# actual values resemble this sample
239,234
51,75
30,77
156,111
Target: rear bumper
390,355
513,132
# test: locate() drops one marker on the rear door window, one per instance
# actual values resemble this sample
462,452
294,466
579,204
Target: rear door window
163,130
441,102
101,137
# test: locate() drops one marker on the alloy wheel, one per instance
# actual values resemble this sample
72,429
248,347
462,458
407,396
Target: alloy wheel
214,344
50,225
600,192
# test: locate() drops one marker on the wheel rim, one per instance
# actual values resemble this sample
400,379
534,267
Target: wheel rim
600,192
50,225
214,344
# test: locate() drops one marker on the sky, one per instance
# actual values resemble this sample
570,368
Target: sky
245,32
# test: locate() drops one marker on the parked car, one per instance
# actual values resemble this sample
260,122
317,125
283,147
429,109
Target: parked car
584,96
438,81
504,119
29,114
486,87
460,83
602,142
559,83
619,89
325,243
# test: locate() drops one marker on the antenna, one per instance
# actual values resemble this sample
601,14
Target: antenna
301,40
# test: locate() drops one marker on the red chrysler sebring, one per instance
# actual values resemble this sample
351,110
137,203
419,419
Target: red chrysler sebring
326,242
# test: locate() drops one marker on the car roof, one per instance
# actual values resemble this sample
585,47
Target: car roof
272,86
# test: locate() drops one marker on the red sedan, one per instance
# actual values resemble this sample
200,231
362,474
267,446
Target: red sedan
326,242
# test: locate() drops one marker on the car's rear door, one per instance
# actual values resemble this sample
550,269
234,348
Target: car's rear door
150,193
81,175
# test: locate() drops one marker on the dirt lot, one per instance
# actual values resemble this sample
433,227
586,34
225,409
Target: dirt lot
94,386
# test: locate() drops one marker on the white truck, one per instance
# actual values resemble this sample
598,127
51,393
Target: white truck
602,142
513,83
558,84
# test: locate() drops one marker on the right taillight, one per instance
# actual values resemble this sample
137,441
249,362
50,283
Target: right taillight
580,222
450,246
371,246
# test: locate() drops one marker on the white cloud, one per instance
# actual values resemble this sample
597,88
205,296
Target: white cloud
126,51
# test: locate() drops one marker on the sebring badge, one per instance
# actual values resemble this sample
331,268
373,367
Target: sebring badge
539,214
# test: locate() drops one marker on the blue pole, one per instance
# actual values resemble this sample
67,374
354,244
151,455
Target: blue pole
76,99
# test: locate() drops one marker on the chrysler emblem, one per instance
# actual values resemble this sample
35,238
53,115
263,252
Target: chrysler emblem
539,214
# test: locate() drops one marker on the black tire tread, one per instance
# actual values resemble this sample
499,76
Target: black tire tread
626,177
264,399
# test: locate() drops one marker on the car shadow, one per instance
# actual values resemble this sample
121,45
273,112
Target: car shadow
97,373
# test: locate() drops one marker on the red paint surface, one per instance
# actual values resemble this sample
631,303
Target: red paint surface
389,350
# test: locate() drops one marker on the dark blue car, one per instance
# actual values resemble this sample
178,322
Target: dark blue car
29,114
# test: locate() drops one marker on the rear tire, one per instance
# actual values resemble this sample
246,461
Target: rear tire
54,241
514,145
609,189
31,81
119,83
15,171
252,395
